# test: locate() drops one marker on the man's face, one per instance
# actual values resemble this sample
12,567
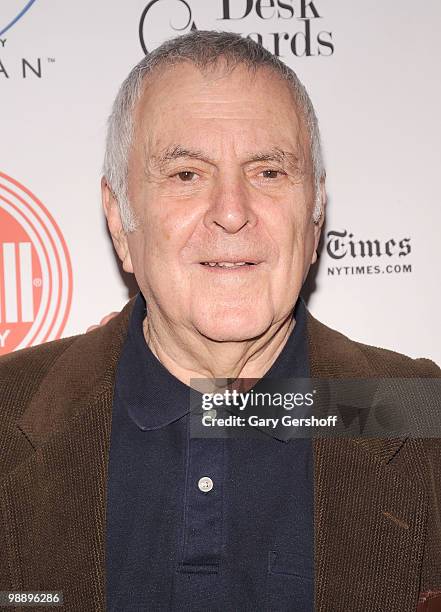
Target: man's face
220,173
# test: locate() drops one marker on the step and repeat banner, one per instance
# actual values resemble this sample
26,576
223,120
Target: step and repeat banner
372,71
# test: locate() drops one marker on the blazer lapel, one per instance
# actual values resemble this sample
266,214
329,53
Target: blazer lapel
369,518
55,504
55,501
369,531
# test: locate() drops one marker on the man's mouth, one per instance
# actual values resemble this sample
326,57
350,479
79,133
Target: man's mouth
227,264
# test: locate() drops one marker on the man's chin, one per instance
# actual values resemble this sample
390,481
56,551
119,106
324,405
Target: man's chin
237,329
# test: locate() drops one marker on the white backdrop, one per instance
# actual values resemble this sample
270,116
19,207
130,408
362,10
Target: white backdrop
372,71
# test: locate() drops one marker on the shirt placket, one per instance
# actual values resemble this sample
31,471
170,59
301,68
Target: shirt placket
202,523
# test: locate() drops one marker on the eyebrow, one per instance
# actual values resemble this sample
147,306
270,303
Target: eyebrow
178,152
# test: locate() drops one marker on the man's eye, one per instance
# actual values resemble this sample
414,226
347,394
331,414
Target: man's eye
185,176
272,174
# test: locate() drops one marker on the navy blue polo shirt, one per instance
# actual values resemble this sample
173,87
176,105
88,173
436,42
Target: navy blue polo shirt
245,544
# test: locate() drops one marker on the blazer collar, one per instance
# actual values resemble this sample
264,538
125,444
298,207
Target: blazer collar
89,364
332,356
84,372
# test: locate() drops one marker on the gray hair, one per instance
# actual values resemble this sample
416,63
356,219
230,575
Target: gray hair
203,48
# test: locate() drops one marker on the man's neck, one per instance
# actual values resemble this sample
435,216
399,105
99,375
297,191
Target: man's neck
187,354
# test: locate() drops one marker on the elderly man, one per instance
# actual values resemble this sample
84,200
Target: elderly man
214,197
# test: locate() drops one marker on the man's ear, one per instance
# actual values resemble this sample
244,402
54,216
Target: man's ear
119,236
319,224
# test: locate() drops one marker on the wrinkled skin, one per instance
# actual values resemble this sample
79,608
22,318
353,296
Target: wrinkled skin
219,170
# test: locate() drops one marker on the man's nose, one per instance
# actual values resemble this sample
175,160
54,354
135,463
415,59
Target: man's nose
230,205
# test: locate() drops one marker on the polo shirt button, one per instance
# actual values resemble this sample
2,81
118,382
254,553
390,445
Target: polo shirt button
211,414
205,484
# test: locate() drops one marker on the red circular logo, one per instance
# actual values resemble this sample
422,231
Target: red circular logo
35,270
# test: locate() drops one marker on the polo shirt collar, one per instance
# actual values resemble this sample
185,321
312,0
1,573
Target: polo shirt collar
155,398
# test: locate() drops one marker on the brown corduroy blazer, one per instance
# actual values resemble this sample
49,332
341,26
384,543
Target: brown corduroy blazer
377,511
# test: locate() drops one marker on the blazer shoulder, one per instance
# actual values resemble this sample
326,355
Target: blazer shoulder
28,361
59,365
398,364
334,350
21,372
